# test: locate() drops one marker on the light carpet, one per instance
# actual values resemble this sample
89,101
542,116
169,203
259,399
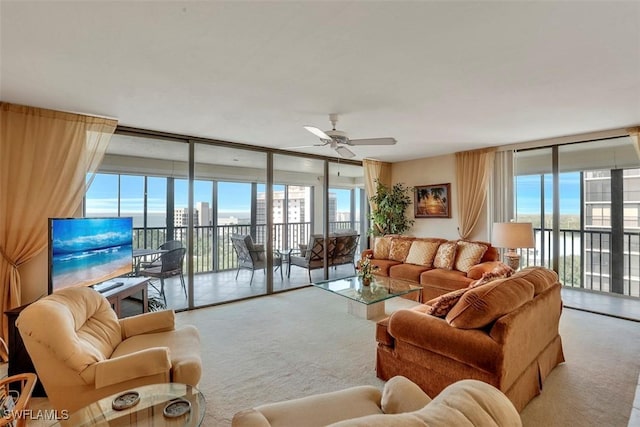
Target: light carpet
304,342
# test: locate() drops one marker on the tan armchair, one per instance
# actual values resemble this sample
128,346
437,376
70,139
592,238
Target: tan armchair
82,352
401,403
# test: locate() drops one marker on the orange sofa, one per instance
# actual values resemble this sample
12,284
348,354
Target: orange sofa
504,332
440,266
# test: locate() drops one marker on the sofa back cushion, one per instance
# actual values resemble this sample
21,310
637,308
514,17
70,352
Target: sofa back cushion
446,255
400,248
76,324
484,304
541,278
422,252
468,254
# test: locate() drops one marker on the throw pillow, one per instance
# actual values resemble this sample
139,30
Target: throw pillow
422,253
381,247
399,249
499,272
446,255
441,305
468,254
483,305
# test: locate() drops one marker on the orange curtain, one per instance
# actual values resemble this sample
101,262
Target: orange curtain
473,169
375,170
45,156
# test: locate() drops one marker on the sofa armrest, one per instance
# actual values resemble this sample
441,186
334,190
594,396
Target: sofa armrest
147,323
436,335
478,270
142,363
402,395
366,252
250,418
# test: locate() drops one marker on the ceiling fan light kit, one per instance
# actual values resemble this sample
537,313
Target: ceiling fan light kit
338,139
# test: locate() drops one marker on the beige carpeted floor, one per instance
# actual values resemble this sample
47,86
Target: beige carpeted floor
304,342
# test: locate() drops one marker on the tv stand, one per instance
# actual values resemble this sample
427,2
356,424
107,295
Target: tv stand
107,286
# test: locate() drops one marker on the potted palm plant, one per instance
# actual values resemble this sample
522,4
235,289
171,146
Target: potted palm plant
388,211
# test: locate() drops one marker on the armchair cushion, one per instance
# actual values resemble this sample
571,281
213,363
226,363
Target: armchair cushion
440,306
155,321
482,305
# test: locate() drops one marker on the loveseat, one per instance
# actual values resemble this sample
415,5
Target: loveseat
401,403
439,265
504,332
82,352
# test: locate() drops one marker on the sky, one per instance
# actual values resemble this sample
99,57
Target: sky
102,196
528,193
233,197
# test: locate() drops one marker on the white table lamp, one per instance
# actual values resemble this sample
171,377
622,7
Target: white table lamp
512,235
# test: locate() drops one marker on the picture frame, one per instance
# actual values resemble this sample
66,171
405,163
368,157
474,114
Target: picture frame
432,201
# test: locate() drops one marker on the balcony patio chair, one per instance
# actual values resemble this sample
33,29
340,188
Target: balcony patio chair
312,255
345,250
166,246
170,265
251,256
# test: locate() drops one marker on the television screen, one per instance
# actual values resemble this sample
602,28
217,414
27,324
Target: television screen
88,251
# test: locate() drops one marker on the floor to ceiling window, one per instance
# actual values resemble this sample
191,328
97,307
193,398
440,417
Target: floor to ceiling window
589,233
205,195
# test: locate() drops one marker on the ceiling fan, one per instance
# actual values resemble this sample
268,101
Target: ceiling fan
338,140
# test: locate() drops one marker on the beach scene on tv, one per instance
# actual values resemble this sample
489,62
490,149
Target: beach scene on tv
87,251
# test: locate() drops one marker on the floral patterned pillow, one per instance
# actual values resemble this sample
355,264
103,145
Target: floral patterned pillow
381,247
400,249
441,305
499,272
446,255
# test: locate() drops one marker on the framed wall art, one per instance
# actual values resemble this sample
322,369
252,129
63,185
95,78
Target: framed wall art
432,201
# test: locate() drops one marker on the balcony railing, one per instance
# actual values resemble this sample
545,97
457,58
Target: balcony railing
207,249
584,259
590,271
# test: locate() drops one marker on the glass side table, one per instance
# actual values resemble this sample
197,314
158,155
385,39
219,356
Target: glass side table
149,411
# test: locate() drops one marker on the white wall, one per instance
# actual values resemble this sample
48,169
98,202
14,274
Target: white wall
429,171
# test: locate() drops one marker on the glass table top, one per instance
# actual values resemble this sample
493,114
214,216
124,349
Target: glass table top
380,289
152,408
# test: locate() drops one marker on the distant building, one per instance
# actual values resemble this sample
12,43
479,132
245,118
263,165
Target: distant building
298,208
181,217
204,213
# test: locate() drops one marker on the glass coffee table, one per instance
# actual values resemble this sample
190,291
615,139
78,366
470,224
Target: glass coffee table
368,301
167,404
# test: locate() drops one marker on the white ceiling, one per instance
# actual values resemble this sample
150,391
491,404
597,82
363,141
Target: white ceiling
440,77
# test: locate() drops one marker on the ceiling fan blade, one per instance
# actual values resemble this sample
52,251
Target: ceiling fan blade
317,132
373,141
344,151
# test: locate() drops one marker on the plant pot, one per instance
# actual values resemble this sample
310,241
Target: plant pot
366,281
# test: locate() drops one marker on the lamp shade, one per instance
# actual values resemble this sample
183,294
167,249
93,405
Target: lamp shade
512,235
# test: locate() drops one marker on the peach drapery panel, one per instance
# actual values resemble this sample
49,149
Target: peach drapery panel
45,156
634,134
375,170
473,169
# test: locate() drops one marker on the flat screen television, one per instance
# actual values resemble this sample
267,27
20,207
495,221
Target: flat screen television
88,251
